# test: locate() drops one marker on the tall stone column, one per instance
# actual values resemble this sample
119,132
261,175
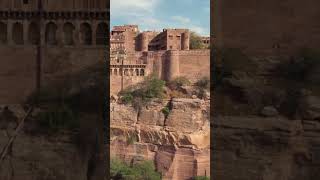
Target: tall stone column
9,32
173,63
25,32
94,25
77,36
60,33
144,42
42,26
185,41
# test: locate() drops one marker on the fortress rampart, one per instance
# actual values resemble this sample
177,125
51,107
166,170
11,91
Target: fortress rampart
60,36
18,68
167,65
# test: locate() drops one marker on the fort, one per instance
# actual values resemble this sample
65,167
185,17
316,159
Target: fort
44,40
166,54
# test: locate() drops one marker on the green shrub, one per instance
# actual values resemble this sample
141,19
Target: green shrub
127,98
195,41
203,83
290,106
165,111
119,170
231,60
131,140
57,118
178,82
201,178
150,88
299,68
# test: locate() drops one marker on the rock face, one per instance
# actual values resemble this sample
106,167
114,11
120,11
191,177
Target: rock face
265,148
37,158
269,111
178,142
36,155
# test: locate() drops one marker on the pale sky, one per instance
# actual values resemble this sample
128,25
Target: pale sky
160,14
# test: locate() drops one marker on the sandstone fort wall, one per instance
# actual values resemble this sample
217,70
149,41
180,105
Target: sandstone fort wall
166,65
18,68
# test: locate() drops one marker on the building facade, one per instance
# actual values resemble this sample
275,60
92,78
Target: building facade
50,36
165,54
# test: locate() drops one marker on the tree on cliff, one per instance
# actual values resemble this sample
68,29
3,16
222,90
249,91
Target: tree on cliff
195,41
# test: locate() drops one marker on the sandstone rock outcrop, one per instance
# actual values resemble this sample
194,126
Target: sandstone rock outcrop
265,148
178,143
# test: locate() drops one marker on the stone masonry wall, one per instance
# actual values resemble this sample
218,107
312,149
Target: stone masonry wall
266,28
18,68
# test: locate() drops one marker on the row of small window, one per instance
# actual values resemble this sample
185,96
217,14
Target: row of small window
171,37
127,72
51,30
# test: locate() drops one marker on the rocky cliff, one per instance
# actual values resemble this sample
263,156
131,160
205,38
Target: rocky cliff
38,155
265,148
178,141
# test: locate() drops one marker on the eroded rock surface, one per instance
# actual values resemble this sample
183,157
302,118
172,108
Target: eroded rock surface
265,148
178,143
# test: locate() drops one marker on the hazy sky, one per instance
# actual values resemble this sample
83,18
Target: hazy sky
159,14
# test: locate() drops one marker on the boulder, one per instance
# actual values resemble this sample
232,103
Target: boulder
269,111
310,107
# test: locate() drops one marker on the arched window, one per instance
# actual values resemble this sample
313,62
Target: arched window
137,72
51,33
3,33
86,34
68,30
102,34
126,72
17,33
34,33
115,72
141,72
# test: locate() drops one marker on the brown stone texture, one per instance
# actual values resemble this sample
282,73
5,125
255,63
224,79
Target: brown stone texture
37,157
167,65
72,36
265,148
266,28
179,149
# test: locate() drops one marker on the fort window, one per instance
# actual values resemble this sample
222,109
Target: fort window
51,30
68,30
17,33
141,72
126,72
3,33
102,34
115,72
86,34
34,33
137,72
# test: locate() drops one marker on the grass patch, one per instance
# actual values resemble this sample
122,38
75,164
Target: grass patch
165,111
119,170
299,68
144,92
131,140
57,118
201,178
178,82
